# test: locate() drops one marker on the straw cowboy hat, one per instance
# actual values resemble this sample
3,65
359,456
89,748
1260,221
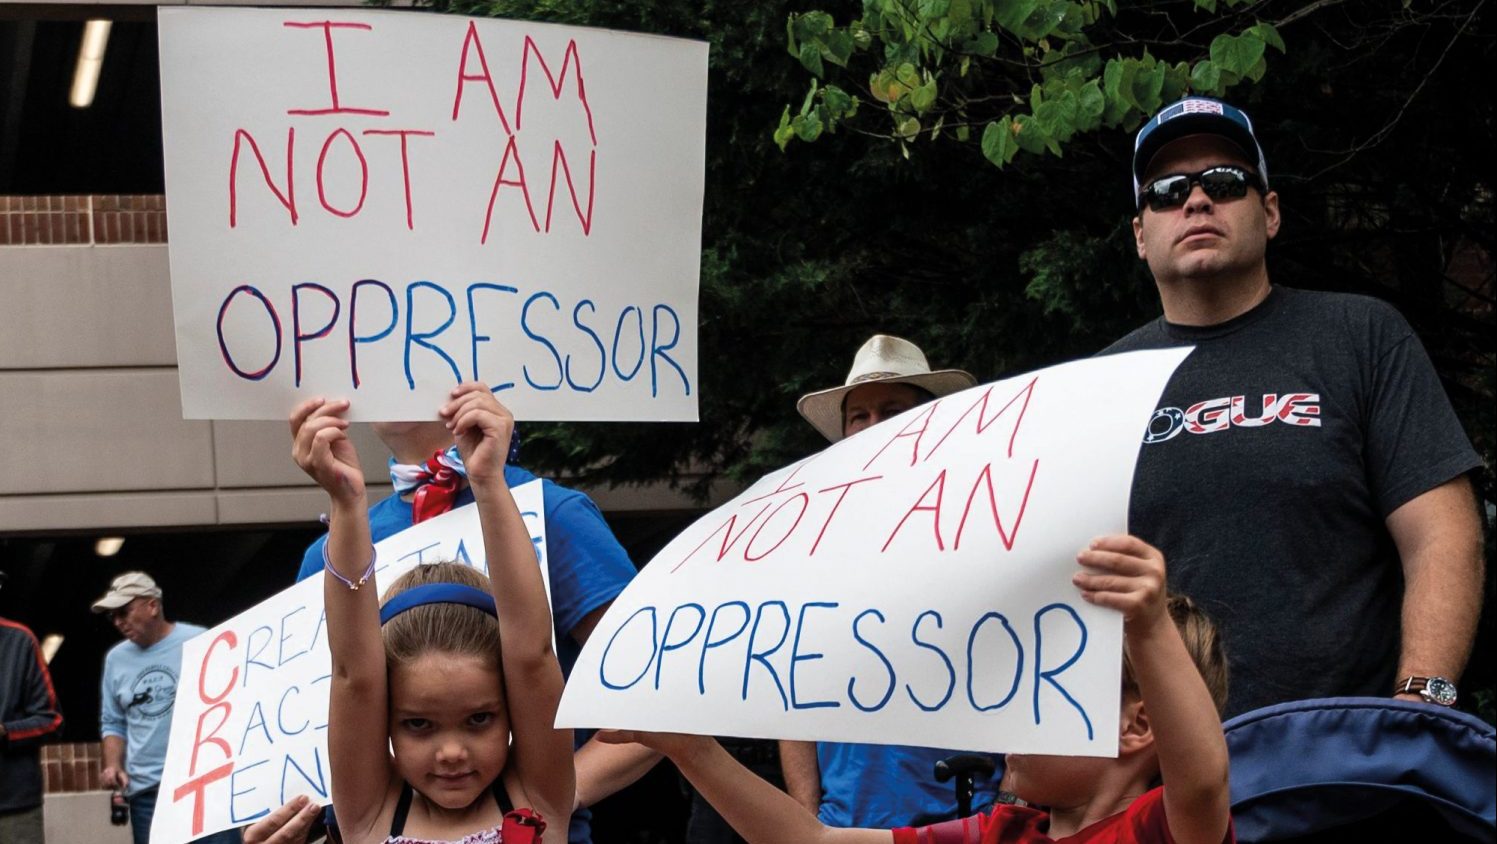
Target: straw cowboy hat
881,360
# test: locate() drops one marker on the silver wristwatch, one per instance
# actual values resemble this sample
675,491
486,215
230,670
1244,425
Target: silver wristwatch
1436,690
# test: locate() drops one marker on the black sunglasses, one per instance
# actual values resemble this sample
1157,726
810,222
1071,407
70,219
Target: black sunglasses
1223,181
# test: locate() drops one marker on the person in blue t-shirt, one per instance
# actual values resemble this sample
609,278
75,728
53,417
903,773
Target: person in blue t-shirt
588,569
137,694
877,785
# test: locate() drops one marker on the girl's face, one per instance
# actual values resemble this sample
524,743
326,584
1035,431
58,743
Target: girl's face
449,726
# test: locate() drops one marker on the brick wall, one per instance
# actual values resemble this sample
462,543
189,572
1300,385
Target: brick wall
72,767
59,220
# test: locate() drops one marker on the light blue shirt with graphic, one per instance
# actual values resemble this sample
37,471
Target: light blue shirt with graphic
138,691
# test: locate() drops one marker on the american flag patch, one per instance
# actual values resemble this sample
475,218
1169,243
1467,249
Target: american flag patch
1185,107
1201,107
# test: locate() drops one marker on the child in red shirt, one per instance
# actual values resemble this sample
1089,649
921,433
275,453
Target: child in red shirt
1174,685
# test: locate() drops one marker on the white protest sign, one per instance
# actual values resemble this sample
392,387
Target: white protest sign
249,725
381,204
909,585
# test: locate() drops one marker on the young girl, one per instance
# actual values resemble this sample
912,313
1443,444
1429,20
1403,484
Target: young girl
431,684
1174,685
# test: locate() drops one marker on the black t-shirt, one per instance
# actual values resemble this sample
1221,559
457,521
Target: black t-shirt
1279,448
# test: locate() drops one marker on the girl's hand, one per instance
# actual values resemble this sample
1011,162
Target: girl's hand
1127,574
481,428
674,745
321,447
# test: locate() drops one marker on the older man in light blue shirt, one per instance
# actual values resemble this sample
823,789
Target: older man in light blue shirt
137,692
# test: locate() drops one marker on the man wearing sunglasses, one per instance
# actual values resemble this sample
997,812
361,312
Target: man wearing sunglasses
1304,472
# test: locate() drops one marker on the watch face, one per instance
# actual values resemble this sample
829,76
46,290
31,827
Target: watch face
1440,690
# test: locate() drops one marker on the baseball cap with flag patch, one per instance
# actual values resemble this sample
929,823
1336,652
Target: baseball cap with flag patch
1195,116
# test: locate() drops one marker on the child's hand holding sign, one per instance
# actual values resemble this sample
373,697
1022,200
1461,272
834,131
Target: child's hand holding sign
321,447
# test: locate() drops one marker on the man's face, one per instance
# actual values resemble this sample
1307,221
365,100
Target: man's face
1204,238
134,620
871,404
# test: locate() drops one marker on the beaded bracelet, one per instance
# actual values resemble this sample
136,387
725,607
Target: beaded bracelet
327,566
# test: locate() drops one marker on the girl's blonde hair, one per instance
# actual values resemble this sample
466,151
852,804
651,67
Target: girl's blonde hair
1201,641
448,628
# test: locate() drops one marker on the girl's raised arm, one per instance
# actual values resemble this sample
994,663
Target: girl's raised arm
358,726
541,754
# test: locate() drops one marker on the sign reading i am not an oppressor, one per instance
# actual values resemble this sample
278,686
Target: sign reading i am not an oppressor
908,585
382,204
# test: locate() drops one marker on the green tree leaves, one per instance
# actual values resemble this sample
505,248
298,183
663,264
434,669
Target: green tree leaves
1234,58
822,109
813,39
1030,74
998,143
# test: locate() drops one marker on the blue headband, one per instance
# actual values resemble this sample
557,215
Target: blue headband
437,593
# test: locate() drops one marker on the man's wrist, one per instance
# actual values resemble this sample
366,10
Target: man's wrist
1430,689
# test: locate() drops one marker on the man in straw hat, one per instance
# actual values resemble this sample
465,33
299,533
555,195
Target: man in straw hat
888,377
876,785
138,692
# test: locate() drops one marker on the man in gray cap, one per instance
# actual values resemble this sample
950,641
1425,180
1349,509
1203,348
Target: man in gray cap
1304,473
138,691
875,785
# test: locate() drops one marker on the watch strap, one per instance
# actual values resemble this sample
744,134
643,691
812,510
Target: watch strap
1410,685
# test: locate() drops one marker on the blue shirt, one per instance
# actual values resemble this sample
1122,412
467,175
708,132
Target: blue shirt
137,694
587,565
883,786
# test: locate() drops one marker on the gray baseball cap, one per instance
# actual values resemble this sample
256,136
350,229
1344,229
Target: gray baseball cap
126,588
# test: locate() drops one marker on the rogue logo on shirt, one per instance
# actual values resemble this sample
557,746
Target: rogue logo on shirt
1212,415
